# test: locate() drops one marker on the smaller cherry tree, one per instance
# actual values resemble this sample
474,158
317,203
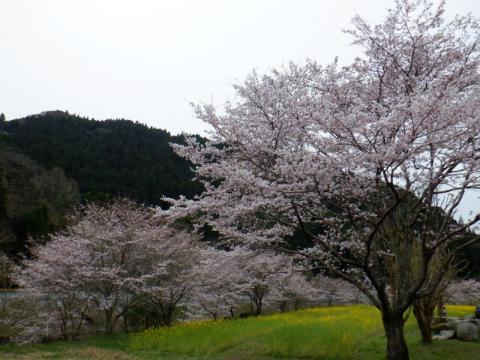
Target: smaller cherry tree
112,259
295,290
114,242
335,290
463,292
170,273
52,278
260,276
215,294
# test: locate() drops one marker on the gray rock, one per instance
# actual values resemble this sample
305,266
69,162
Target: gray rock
467,331
448,334
452,323
445,335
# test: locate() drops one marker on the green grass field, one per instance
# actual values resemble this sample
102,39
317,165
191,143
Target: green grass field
346,332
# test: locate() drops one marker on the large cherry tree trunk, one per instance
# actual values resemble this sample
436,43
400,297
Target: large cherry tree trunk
396,345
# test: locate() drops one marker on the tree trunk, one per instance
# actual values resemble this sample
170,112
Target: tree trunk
125,323
63,328
396,345
108,322
423,311
166,312
258,306
440,306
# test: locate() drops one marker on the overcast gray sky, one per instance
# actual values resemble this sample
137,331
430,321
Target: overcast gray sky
147,60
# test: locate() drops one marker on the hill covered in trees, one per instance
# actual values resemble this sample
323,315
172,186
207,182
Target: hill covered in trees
34,201
52,161
106,158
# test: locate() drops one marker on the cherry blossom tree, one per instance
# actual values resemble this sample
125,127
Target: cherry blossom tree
110,260
334,290
295,290
336,152
113,242
259,276
215,293
463,292
170,272
52,278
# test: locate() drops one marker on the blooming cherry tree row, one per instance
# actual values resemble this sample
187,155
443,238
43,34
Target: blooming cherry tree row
117,258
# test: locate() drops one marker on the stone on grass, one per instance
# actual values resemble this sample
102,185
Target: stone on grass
445,335
467,331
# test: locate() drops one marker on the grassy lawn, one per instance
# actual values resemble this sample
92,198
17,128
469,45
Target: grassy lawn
347,332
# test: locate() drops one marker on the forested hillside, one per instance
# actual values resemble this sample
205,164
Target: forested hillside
34,201
52,161
106,158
